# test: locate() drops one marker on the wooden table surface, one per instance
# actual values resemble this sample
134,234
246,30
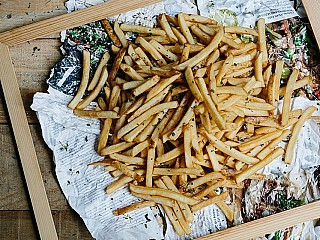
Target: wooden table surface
32,61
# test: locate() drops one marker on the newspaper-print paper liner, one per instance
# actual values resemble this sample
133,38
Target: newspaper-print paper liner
73,141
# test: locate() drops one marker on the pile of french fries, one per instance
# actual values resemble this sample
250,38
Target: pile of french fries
187,109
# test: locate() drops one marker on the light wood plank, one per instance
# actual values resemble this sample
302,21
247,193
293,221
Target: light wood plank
268,224
25,147
15,13
70,20
312,8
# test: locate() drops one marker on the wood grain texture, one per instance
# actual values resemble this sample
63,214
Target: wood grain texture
268,224
312,8
19,225
13,192
16,14
25,147
70,20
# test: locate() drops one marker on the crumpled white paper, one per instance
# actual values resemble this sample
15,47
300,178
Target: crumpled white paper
247,12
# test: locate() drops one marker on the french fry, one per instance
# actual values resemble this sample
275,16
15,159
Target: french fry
114,186
164,201
116,65
143,56
134,123
298,84
258,68
224,69
277,78
184,28
254,168
227,150
116,148
104,60
146,85
84,80
176,208
204,38
183,206
213,57
166,27
295,133
204,52
179,35
165,52
141,29
185,53
209,189
95,114
268,149
256,142
161,86
153,52
133,207
176,152
261,25
149,104
187,145
150,165
120,34
111,33
212,156
103,78
240,30
287,97
199,19
212,200
126,171
163,193
210,105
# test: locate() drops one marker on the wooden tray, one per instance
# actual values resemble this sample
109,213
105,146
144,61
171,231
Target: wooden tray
25,144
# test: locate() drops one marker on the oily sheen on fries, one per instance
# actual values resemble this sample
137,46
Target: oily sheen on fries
188,108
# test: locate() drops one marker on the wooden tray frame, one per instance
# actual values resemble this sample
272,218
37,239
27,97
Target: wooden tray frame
24,140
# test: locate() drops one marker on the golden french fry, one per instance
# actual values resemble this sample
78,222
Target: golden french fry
84,80
163,193
153,52
120,34
104,60
146,85
212,200
298,84
176,152
166,27
116,65
204,52
161,86
256,167
165,52
103,78
215,115
165,202
295,133
133,207
95,114
240,30
184,28
141,29
261,25
227,150
287,97
111,33
150,165
137,121
116,148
